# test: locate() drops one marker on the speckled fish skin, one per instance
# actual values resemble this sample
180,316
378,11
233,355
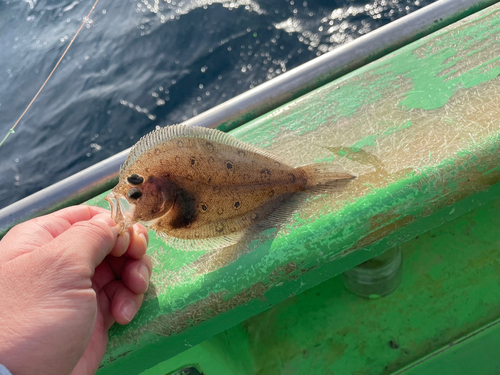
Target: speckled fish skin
201,187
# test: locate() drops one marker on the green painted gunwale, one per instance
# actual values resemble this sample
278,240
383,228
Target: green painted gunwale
387,123
442,320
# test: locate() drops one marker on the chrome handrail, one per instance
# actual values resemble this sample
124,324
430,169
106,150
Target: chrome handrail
255,102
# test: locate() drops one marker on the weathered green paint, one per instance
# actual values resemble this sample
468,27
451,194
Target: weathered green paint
442,320
418,166
242,118
227,353
450,287
371,139
424,75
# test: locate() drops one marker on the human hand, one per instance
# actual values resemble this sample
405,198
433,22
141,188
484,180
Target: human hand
65,278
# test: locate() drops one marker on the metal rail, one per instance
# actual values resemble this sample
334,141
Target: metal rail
253,103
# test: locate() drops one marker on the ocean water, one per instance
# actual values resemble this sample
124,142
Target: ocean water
142,63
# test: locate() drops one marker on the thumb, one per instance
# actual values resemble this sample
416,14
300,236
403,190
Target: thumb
87,242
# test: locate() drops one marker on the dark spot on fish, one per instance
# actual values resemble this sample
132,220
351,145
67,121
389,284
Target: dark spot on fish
157,151
220,211
229,165
135,179
151,179
177,159
185,210
219,227
233,229
146,170
254,216
209,146
271,193
209,180
236,204
216,189
264,174
193,161
292,177
134,193
189,177
241,154
180,144
203,206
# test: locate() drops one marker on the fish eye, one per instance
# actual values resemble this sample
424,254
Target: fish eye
135,179
134,193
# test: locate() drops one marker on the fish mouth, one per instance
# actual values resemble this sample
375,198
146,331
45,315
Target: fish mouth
122,211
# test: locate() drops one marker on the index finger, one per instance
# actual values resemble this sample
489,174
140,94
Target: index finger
75,214
38,231
86,243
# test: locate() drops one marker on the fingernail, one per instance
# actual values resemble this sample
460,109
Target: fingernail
104,218
123,242
144,272
139,233
129,310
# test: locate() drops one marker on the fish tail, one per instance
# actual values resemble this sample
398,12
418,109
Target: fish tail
325,177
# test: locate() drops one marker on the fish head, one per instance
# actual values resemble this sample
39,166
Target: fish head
138,199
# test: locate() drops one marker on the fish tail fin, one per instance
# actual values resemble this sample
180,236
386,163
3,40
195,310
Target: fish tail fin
325,177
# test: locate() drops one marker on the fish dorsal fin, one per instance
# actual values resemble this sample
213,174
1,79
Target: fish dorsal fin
162,135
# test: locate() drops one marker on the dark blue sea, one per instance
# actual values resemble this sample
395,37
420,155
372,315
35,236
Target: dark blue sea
142,63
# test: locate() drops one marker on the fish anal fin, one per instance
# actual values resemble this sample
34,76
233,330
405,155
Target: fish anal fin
202,244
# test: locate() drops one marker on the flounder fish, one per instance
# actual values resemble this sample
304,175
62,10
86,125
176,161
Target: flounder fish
200,188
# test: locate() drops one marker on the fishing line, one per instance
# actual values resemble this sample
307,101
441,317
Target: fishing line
11,131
